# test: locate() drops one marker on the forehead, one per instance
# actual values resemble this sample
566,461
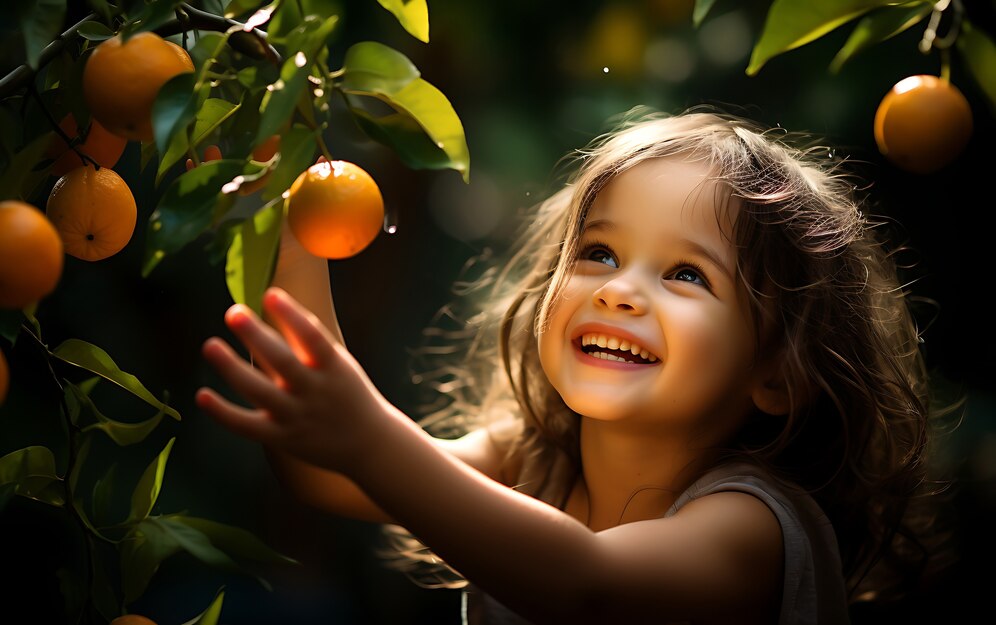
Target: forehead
667,196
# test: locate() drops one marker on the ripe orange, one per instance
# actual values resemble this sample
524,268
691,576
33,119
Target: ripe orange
101,145
923,123
211,153
263,153
30,255
132,619
335,209
120,81
4,378
94,212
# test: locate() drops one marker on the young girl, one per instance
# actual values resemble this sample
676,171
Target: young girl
710,404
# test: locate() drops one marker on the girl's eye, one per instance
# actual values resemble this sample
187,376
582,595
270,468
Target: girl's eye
693,270
600,254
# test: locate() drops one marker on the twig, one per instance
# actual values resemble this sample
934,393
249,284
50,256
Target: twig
251,42
22,74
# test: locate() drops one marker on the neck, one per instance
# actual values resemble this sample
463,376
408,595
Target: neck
632,474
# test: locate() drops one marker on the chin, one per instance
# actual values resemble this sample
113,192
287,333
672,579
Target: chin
598,407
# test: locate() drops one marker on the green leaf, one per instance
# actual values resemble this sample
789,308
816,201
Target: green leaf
123,434
211,114
10,323
211,615
95,31
197,544
92,358
40,22
17,180
102,9
174,108
144,497
372,67
31,471
282,96
142,551
879,26
413,15
234,541
236,8
101,588
188,207
979,53
297,153
406,137
792,23
102,496
154,15
430,108
81,454
252,257
702,8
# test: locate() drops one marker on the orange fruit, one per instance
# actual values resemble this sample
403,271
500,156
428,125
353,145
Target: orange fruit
132,619
267,149
120,81
263,153
30,255
101,145
211,153
335,209
923,123
94,212
4,378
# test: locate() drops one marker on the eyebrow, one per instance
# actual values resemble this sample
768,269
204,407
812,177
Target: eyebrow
694,246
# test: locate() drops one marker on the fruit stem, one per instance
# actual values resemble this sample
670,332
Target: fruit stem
945,64
23,73
72,143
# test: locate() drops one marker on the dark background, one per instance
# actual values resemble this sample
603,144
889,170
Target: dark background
527,80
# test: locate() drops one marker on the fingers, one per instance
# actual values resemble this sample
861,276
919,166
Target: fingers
311,341
266,345
248,381
254,424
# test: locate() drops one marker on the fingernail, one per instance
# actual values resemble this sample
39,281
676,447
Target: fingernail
236,315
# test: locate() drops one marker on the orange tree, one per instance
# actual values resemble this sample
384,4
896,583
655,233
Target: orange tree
259,70
924,122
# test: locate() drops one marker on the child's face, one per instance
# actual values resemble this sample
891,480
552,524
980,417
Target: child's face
633,282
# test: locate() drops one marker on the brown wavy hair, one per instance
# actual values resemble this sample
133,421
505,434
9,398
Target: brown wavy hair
858,432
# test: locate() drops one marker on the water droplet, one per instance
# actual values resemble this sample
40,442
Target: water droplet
300,60
605,70
439,144
319,93
285,194
277,86
527,193
391,220
234,185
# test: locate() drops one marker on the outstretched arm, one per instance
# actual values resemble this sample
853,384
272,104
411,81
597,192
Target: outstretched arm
718,558
306,278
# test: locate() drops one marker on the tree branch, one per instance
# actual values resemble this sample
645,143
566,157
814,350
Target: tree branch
251,42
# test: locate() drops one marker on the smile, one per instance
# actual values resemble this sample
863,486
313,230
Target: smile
611,349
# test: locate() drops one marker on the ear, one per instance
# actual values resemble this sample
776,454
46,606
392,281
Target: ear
770,388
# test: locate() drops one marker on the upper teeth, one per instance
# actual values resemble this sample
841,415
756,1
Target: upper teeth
612,342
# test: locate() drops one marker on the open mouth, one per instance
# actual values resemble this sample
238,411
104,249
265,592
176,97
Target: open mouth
614,349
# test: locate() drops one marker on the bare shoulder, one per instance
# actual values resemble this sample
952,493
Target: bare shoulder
486,448
718,558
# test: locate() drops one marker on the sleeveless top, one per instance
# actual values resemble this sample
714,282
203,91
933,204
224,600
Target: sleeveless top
813,586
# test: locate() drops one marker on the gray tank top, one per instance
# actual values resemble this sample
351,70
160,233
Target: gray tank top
813,587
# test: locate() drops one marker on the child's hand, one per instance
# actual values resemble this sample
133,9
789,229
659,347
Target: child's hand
312,398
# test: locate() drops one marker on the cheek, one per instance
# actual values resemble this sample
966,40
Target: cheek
711,344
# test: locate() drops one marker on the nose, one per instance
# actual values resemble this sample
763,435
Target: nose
621,294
